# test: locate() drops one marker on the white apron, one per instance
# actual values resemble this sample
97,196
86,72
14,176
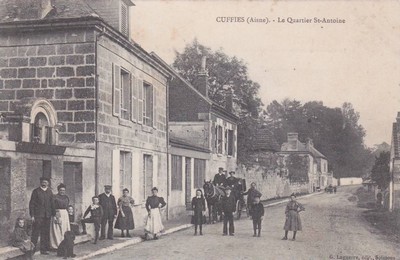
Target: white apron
57,230
154,225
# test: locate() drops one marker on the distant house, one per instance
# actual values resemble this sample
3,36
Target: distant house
394,186
80,103
316,161
202,137
350,181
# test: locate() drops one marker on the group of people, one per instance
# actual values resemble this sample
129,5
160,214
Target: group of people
53,217
254,205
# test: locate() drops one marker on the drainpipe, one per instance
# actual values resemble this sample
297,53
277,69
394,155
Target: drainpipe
167,136
391,188
96,84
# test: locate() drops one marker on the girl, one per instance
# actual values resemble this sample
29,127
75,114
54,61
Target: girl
20,239
198,206
125,216
293,221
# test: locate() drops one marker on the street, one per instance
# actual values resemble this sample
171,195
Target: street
332,229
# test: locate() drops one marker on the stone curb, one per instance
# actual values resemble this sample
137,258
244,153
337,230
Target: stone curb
130,242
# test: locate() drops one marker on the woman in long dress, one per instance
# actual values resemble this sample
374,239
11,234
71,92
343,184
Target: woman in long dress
154,224
60,224
125,216
198,206
293,221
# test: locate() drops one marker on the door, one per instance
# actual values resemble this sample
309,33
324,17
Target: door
72,174
188,181
5,188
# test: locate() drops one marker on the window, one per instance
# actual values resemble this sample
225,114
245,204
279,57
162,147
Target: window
72,176
219,139
199,173
176,172
125,95
125,171
124,22
41,131
146,179
230,142
147,104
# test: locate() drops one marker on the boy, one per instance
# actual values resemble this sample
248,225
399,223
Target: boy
257,213
228,207
96,213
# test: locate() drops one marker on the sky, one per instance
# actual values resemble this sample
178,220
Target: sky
357,61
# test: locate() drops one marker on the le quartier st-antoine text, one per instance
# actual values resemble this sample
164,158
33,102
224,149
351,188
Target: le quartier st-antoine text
266,20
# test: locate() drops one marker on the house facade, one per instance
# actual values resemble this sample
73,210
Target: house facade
316,163
394,186
202,137
80,103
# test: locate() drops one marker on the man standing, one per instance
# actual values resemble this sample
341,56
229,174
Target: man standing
228,207
220,178
107,202
41,209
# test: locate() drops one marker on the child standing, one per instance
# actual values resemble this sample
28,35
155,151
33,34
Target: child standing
20,239
96,213
257,213
198,206
73,225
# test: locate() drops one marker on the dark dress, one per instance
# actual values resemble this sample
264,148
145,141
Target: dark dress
20,239
198,206
231,181
127,222
293,221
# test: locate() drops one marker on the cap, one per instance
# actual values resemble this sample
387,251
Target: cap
220,169
44,179
107,186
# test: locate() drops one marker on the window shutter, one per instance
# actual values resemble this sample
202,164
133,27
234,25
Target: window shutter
155,107
140,101
115,178
134,113
116,90
234,143
213,138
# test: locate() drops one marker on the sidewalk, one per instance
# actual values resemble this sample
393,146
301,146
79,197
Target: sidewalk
88,250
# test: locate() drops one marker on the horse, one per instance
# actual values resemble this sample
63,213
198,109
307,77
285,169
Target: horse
213,195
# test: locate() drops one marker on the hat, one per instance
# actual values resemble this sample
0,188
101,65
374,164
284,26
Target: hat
294,195
155,188
231,172
44,179
220,169
107,186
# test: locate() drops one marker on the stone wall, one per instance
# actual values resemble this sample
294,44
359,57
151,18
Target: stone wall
58,66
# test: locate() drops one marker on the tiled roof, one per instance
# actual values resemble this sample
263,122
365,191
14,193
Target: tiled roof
265,141
10,11
301,147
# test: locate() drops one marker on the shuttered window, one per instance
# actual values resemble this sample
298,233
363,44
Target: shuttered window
134,101
219,139
199,174
230,141
176,174
148,101
116,90
125,95
140,101
124,22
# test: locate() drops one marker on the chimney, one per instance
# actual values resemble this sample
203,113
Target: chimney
201,81
309,143
398,117
229,100
293,139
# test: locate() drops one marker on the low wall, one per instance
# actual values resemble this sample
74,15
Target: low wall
270,182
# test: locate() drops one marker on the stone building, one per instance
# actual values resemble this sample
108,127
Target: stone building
394,186
317,163
202,137
80,102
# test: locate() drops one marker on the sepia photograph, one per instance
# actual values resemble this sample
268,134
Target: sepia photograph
200,129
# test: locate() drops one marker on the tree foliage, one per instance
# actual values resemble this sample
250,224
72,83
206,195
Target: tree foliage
336,133
381,170
225,73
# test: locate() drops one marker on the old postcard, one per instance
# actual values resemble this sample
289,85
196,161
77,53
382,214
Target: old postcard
199,129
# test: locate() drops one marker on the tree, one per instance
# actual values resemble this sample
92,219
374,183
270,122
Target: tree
226,73
381,170
335,132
